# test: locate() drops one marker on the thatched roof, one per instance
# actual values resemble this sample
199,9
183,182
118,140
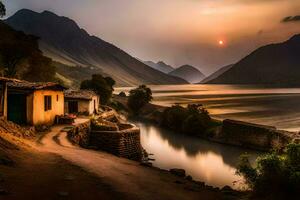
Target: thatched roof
80,94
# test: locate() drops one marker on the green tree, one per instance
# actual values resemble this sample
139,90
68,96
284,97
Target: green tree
2,9
103,86
276,175
138,98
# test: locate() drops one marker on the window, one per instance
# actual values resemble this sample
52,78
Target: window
56,97
47,103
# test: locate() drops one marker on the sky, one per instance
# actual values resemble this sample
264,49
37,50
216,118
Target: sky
180,32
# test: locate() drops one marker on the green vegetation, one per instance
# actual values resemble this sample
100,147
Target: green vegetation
276,176
193,120
103,86
138,98
2,9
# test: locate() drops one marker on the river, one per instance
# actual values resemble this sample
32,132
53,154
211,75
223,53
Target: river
206,161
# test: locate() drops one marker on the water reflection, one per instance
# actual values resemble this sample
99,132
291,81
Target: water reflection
257,104
206,161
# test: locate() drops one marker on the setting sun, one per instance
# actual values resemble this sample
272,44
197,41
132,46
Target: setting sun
221,42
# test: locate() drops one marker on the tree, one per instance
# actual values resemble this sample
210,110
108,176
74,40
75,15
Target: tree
103,86
138,98
276,176
2,9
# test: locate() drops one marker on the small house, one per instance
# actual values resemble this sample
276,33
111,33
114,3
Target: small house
32,103
81,102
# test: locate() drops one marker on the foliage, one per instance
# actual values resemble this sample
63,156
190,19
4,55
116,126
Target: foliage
122,94
276,175
192,120
2,9
103,86
138,98
21,58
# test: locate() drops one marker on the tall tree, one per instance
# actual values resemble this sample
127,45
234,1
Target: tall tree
102,86
2,9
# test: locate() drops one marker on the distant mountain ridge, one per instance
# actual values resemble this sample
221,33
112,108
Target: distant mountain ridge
274,64
64,41
160,66
188,73
217,73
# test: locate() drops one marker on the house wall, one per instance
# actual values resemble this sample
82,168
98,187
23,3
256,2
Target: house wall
84,106
39,115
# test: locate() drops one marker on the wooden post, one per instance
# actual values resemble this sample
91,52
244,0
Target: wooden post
4,99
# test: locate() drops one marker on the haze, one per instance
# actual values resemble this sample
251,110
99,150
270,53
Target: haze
179,31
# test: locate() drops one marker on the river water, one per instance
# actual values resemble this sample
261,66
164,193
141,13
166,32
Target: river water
206,161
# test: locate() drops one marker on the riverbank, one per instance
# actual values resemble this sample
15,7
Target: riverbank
232,132
53,168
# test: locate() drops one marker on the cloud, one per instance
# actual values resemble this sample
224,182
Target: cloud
291,19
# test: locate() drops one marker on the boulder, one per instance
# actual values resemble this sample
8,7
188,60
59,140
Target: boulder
178,172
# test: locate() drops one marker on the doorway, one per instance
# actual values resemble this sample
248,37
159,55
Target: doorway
16,108
73,106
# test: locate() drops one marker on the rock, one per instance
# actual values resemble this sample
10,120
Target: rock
146,164
69,178
189,178
227,188
201,184
178,172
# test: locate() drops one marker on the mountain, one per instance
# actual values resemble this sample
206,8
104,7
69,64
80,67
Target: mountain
64,41
275,64
188,73
160,66
216,74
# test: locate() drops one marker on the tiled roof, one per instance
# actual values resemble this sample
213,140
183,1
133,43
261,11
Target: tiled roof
80,94
35,86
4,79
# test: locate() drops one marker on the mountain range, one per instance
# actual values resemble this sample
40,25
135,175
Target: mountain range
65,42
274,64
160,66
188,73
216,74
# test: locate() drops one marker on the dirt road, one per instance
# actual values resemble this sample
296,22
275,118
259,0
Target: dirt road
124,176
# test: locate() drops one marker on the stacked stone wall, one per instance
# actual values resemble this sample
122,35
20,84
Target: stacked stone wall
255,136
80,134
124,143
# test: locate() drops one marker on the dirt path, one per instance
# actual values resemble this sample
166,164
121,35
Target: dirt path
124,176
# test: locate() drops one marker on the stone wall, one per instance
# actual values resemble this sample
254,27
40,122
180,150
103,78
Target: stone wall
124,143
255,136
80,134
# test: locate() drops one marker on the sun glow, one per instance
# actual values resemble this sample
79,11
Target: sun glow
221,42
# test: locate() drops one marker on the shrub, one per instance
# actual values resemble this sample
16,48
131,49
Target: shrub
122,94
193,120
138,98
276,175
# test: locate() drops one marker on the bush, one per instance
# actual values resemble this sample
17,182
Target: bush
276,175
193,120
138,98
122,94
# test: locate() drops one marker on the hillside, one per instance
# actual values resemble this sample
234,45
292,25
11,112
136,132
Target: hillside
160,66
216,74
188,73
64,41
275,64
21,57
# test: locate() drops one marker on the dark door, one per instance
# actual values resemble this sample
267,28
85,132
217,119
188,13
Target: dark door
73,106
16,108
